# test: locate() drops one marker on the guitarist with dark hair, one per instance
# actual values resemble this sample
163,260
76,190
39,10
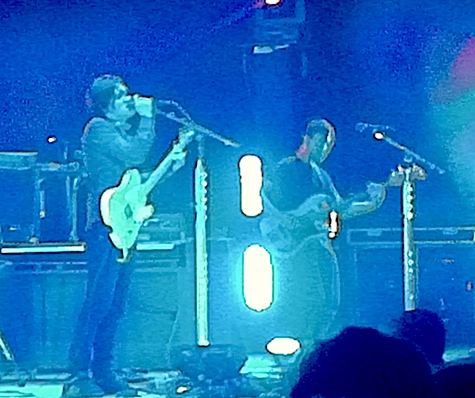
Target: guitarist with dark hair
307,293
118,138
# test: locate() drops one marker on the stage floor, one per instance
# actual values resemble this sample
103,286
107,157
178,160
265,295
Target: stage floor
263,376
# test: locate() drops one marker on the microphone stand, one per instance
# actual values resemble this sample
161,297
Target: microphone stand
409,155
201,208
201,247
188,122
406,177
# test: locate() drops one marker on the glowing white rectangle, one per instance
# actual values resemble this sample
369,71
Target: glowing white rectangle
250,167
258,278
44,248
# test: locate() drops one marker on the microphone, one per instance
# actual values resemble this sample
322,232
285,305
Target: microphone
374,128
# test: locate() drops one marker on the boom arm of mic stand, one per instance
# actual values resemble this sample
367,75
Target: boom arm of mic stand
412,154
186,121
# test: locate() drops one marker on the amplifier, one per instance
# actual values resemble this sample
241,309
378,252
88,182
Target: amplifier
446,277
162,240
162,228
16,160
423,236
19,214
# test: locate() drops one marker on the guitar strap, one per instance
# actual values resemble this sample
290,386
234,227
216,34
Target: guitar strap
326,182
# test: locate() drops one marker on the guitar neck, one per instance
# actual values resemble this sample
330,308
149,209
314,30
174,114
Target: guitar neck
161,169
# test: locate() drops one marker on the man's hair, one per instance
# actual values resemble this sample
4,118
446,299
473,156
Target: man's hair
101,93
323,132
319,126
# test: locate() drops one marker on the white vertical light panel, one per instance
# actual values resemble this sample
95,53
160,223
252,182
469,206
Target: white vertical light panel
250,169
258,278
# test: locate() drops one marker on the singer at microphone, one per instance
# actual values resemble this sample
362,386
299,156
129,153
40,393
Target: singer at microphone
144,106
119,136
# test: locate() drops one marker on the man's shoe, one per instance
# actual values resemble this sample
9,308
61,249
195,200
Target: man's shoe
111,384
82,388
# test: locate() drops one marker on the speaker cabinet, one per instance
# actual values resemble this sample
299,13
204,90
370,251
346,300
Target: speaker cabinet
378,297
42,296
40,303
446,284
159,316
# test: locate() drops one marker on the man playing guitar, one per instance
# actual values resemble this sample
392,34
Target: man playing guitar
118,137
307,294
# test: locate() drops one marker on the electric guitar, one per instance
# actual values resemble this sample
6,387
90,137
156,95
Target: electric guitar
287,231
320,215
124,208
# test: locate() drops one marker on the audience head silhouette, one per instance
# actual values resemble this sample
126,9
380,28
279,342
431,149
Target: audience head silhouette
425,329
364,363
456,381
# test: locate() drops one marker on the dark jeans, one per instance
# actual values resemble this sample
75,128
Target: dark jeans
106,292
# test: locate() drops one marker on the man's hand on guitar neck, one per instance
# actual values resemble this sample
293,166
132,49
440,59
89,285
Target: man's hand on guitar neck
376,191
185,133
179,159
363,203
179,152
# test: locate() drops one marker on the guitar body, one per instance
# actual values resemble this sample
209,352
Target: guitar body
124,209
287,231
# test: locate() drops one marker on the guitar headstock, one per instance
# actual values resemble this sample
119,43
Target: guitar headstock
402,173
185,135
179,152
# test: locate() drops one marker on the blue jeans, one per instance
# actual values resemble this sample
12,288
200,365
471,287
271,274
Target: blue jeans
106,292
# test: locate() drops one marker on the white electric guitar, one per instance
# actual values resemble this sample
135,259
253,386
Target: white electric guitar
124,208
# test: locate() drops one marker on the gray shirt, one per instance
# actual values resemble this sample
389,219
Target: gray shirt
111,148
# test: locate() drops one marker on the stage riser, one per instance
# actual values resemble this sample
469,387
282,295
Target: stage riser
39,308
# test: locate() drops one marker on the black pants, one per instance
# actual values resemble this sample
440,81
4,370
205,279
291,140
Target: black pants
106,292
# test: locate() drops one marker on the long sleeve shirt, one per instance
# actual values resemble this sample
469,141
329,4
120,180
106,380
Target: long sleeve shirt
109,150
